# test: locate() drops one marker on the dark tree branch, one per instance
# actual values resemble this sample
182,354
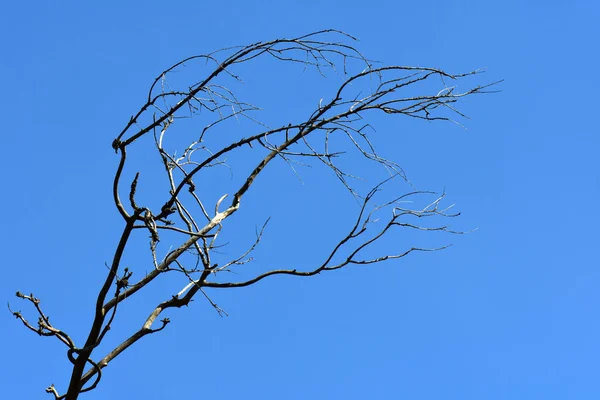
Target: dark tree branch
335,129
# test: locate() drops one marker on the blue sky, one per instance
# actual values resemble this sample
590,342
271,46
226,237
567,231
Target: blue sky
509,311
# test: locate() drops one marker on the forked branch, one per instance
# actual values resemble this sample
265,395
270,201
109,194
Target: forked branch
189,214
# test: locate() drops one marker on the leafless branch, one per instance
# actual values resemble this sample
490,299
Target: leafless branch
336,129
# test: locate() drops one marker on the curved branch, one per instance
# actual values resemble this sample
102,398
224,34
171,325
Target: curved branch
386,89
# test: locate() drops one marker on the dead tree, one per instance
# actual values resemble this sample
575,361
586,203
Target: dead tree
192,221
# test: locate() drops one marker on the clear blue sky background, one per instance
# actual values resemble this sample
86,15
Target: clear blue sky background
508,312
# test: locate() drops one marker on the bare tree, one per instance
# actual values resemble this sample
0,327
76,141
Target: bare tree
192,221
